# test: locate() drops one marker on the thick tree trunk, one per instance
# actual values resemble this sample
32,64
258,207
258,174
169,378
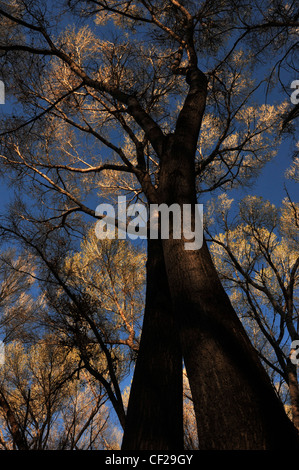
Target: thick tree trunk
235,404
155,412
294,392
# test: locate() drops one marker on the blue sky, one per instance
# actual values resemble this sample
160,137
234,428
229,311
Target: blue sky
270,183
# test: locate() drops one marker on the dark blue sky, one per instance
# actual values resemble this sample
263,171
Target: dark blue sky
270,184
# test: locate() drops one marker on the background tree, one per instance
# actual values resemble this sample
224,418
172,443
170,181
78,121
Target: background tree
115,281
41,404
90,301
18,309
46,403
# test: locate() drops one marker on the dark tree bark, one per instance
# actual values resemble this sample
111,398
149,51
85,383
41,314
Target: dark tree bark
235,404
292,380
15,429
155,411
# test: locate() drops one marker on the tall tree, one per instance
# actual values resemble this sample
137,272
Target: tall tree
78,83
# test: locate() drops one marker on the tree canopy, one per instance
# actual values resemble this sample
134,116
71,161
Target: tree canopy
163,102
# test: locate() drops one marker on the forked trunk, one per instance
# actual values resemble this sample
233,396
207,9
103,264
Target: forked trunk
155,412
235,404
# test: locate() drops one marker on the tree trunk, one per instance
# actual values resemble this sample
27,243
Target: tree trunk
15,430
155,412
294,392
235,404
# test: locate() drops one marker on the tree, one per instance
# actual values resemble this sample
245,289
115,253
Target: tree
90,301
257,258
113,275
94,88
99,309
18,309
78,322
46,403
109,272
37,388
